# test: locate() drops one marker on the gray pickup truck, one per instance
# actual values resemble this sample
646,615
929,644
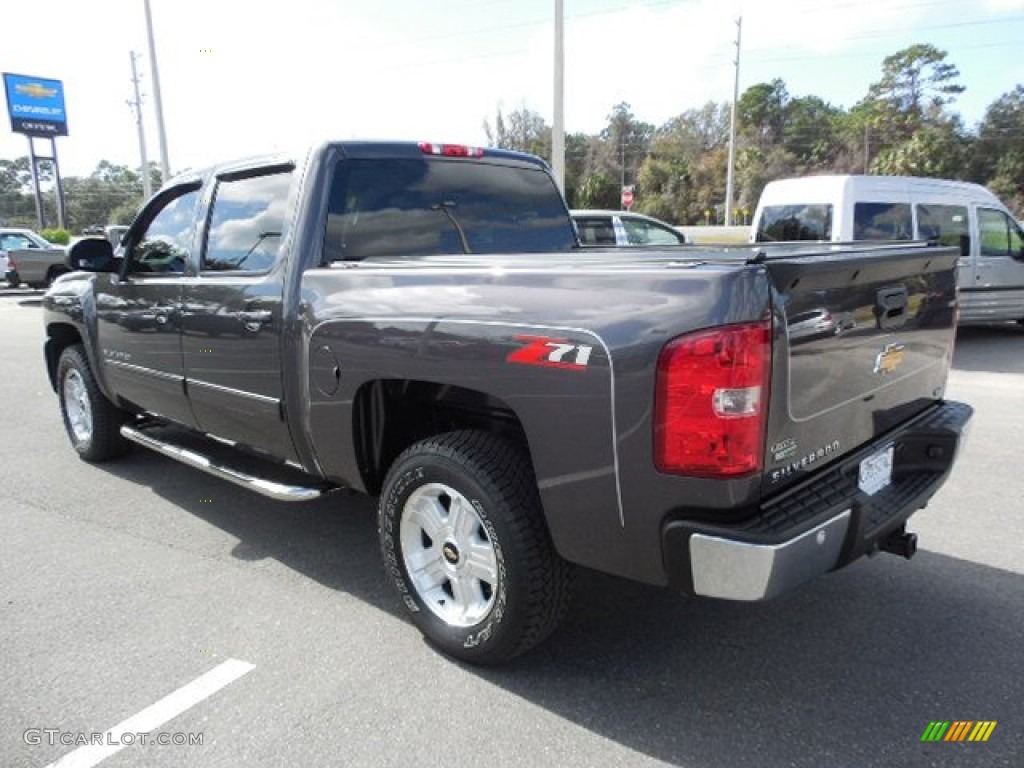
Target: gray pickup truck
28,258
417,322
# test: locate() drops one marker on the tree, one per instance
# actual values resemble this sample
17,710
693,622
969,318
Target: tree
916,86
997,156
599,191
781,136
917,82
626,142
938,151
523,131
761,113
671,180
811,133
575,166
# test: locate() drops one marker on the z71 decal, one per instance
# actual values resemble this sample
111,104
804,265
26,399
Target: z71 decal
551,353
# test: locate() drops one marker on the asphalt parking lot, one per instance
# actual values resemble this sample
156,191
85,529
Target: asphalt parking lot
122,585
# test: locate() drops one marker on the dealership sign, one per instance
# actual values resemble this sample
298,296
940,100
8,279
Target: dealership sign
36,105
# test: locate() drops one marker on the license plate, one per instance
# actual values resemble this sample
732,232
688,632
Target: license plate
876,471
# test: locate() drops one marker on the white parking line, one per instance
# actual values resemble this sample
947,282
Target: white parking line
157,714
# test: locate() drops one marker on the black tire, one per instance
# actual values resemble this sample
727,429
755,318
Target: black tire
52,274
530,584
92,422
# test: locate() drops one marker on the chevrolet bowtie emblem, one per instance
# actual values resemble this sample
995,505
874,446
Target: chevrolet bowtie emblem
889,359
36,90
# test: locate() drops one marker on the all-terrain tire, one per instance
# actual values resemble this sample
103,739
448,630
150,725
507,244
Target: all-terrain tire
92,422
463,538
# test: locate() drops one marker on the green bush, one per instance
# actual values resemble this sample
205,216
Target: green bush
56,236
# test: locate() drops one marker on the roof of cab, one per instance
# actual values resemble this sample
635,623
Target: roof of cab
351,148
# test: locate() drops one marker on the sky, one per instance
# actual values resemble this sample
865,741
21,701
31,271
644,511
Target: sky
245,78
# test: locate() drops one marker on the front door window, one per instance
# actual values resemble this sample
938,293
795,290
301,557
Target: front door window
165,246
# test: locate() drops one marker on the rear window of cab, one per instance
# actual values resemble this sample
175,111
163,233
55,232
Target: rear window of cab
411,207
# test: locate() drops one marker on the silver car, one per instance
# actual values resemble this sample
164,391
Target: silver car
614,228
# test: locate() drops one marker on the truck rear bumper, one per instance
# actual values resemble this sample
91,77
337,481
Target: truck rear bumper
739,570
821,524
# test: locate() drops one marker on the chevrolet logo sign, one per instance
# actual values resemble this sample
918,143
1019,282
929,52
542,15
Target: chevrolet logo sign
889,359
36,90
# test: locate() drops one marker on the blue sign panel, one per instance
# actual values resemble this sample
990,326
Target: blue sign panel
36,105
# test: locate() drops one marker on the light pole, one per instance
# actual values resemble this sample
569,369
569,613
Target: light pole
165,165
732,128
558,123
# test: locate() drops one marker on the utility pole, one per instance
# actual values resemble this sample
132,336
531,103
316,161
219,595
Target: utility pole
165,165
147,186
622,160
558,126
867,129
732,127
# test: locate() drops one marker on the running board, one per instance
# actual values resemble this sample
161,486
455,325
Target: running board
261,485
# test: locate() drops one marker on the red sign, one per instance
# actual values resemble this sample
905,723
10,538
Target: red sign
627,197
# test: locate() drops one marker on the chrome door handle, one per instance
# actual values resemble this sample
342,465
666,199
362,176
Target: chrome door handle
254,319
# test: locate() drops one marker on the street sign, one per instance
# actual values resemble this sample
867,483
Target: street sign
627,197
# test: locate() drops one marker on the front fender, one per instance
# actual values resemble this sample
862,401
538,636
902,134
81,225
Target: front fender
69,317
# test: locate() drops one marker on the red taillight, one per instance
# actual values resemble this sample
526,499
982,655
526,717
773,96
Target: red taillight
451,150
711,401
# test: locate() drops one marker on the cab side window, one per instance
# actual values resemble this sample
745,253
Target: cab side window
165,245
1000,235
246,222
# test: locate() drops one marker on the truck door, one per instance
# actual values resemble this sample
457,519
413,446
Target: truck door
1000,271
138,317
231,313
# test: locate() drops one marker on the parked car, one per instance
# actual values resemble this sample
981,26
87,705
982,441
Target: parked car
28,258
114,233
624,228
814,323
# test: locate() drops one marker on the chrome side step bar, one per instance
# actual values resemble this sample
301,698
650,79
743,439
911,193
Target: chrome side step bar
262,486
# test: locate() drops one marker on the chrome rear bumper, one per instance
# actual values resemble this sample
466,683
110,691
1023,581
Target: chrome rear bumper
738,570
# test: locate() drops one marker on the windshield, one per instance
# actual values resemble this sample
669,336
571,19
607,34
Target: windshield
405,207
795,222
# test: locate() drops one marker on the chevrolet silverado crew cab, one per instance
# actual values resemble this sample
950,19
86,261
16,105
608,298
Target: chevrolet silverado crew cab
417,322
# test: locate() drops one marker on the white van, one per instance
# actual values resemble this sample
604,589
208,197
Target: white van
847,208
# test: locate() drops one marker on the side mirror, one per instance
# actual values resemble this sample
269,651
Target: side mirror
91,254
965,245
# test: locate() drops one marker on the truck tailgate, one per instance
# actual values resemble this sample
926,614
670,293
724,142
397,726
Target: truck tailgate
865,344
